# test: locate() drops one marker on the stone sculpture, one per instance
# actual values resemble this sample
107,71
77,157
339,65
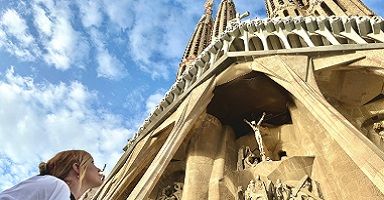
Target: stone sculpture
379,129
256,128
171,192
266,190
250,159
246,159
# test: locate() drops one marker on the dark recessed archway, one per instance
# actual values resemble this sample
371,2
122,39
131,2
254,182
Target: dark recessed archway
247,97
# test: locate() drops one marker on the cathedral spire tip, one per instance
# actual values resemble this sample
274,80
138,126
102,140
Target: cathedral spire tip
208,7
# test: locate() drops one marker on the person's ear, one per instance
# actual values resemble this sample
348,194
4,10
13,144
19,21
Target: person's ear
76,168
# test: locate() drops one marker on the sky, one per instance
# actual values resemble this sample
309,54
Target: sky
84,74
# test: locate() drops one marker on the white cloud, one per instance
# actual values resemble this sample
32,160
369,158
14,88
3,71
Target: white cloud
91,14
120,12
160,34
42,21
154,100
16,26
14,36
39,120
57,42
109,66
62,47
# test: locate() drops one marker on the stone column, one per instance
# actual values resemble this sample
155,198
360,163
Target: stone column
202,152
216,183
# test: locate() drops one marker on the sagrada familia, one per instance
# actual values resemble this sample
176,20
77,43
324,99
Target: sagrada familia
288,107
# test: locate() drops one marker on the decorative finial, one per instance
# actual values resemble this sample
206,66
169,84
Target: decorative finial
208,7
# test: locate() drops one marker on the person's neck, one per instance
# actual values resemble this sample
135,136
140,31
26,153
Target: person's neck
77,192
74,185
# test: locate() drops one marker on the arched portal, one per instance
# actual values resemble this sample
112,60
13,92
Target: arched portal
255,44
237,45
274,42
295,41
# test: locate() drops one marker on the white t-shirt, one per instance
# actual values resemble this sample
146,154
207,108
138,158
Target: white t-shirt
38,188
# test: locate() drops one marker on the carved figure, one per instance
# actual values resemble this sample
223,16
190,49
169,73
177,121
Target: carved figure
250,190
304,190
379,129
250,159
256,190
256,129
279,190
246,158
261,190
240,193
171,192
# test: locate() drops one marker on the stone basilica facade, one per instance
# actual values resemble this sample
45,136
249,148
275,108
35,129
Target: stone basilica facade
288,107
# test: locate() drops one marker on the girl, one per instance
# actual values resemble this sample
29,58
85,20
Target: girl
65,176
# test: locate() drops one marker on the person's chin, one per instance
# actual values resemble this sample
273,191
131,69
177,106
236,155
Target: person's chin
101,180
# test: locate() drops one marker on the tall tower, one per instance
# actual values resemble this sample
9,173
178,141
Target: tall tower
284,8
226,12
200,39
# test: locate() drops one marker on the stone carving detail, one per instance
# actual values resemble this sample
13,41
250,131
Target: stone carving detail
234,23
250,159
266,190
379,129
171,192
246,159
256,190
256,128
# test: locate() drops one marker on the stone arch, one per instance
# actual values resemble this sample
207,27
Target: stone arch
274,42
237,45
296,41
255,44
344,40
319,40
371,40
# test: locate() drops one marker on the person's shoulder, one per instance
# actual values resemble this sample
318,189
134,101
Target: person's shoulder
53,187
47,179
38,187
50,181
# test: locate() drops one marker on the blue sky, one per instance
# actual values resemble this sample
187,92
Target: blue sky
84,74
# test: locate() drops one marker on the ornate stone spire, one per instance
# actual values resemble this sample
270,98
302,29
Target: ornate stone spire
200,39
284,8
226,12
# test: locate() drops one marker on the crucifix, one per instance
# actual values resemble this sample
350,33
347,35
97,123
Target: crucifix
256,129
